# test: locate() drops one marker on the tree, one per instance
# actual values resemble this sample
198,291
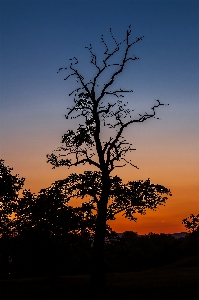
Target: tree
130,198
50,233
10,185
49,213
191,223
87,145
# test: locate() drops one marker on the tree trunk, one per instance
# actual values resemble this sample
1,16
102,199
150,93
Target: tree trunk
98,272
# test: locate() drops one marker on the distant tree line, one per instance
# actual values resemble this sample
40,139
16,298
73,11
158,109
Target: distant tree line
41,235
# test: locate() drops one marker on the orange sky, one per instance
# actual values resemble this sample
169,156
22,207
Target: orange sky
166,167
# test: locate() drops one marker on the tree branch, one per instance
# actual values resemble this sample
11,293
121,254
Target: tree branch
124,125
125,59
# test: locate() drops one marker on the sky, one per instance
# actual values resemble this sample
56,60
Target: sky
39,37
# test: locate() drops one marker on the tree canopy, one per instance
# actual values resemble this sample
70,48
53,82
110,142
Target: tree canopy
101,108
191,223
130,198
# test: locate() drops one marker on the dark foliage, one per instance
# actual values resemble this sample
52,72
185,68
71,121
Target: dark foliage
33,255
10,185
191,223
41,235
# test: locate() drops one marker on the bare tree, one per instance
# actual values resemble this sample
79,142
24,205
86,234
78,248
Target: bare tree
102,109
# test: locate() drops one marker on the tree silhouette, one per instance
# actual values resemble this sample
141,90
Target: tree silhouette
49,212
130,198
50,232
191,223
10,185
102,112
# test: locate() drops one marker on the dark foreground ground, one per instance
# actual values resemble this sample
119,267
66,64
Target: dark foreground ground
176,281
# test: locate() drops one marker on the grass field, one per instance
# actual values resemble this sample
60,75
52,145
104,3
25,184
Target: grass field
176,281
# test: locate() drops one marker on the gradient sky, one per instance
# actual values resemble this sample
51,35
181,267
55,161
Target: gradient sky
38,37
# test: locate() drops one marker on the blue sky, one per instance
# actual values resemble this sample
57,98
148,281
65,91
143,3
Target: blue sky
38,37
